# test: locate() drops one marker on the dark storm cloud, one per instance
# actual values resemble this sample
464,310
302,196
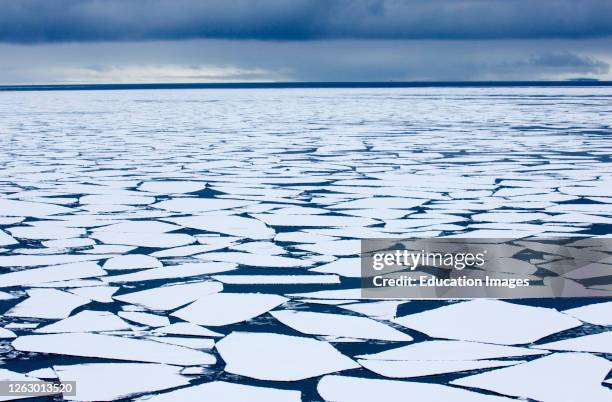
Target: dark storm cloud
35,21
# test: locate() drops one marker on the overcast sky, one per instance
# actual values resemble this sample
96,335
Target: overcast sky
112,41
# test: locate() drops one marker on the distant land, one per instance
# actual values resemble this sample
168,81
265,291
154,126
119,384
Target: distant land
578,82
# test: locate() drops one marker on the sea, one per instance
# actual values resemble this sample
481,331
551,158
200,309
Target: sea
179,242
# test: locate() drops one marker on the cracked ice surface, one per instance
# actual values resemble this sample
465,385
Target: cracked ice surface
190,244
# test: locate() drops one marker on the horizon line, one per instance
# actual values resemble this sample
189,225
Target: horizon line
306,84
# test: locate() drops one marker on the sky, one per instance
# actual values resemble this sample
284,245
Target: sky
148,41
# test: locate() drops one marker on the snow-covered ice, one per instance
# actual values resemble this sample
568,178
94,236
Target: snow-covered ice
229,245
276,357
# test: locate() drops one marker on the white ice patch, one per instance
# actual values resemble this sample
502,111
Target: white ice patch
254,260
116,199
47,303
597,313
151,320
355,389
6,333
31,209
439,350
170,297
111,381
339,325
131,261
194,205
6,239
334,247
230,225
560,377
276,279
112,347
69,243
138,227
314,220
385,309
187,342
220,391
51,274
348,267
172,186
380,203
259,247
276,357
597,343
491,321
101,294
412,368
186,328
86,321
186,251
228,308
172,271
45,233
154,240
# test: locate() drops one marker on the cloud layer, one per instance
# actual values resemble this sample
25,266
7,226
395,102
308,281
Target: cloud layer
40,21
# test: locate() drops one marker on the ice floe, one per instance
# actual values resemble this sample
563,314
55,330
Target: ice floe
31,209
190,205
151,320
439,350
51,274
172,271
355,389
229,225
112,381
254,260
6,333
339,325
270,356
112,347
47,303
188,342
101,294
596,313
560,377
186,328
131,261
228,308
221,391
170,297
492,321
154,240
413,368
172,186
598,343
86,321
276,279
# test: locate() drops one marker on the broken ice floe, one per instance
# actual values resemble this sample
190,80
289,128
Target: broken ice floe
339,325
112,347
86,321
47,303
596,313
491,321
220,391
228,308
131,261
111,381
355,389
269,356
559,377
170,297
